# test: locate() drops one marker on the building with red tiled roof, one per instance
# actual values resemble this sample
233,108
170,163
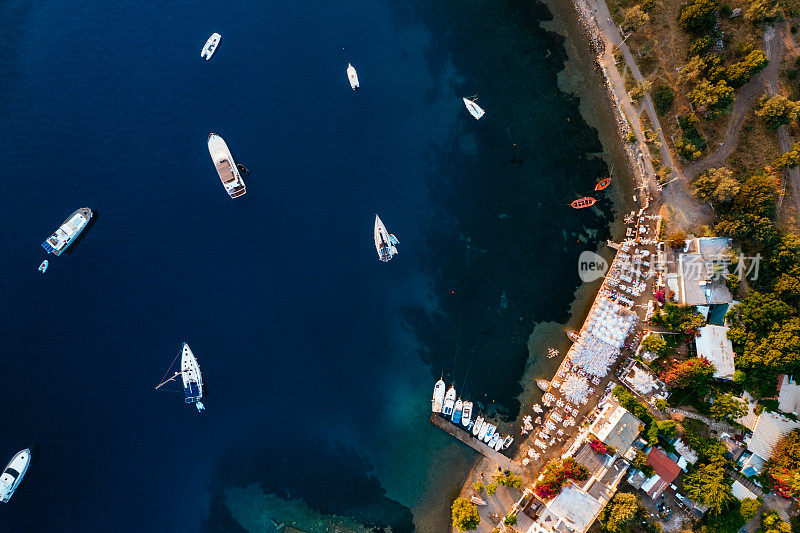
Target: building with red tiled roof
666,470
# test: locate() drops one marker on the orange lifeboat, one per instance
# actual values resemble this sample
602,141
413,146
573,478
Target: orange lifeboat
603,184
583,202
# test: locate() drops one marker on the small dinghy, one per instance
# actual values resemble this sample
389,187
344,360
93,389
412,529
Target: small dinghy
543,384
474,109
43,266
211,46
477,501
602,184
580,203
352,76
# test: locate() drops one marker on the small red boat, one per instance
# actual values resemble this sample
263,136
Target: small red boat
583,202
602,184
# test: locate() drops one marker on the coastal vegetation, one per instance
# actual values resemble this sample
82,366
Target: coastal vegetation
465,515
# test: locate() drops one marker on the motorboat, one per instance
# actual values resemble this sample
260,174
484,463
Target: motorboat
543,384
352,76
602,184
573,335
474,109
385,242
449,402
211,46
477,426
13,473
43,266
507,442
493,440
437,403
499,444
466,414
68,231
456,417
489,433
226,167
484,430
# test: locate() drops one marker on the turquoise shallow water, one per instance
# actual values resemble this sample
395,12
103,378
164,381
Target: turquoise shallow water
319,360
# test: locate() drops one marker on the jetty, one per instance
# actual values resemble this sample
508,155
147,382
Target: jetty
490,453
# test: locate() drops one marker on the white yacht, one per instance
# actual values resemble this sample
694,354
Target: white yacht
191,377
352,76
489,433
68,231
437,403
476,428
474,109
484,430
493,441
466,414
385,242
226,166
13,473
211,46
449,401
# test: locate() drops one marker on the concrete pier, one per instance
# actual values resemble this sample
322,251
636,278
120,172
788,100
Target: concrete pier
479,446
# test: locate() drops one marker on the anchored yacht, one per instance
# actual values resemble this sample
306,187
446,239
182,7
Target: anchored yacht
474,109
226,167
13,473
211,46
191,376
68,231
352,75
385,242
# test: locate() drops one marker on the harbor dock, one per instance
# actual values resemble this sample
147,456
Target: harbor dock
456,431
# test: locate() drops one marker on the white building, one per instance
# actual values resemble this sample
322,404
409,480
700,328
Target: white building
714,345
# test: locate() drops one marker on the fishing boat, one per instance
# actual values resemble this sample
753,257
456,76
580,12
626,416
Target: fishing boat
456,418
449,402
474,109
438,397
543,384
226,167
385,242
493,440
489,433
602,184
466,414
484,430
43,266
68,231
507,442
580,203
573,335
191,376
13,473
476,428
211,46
352,76
477,501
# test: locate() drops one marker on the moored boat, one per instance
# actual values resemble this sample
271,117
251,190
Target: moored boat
449,401
498,445
484,430
543,384
489,433
474,109
477,426
13,473
437,402
602,184
352,76
226,167
211,46
580,203
456,418
477,500
466,414
68,231
507,442
493,441
573,335
43,266
385,242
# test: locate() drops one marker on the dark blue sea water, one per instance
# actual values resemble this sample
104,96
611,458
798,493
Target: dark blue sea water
318,359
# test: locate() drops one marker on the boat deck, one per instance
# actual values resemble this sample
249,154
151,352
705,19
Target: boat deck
479,446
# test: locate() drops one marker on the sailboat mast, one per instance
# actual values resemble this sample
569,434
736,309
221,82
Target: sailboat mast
168,380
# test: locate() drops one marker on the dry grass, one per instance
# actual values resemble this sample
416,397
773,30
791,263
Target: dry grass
757,147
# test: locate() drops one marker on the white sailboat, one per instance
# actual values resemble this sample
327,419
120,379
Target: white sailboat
211,46
352,76
437,403
449,401
191,377
474,109
466,414
385,242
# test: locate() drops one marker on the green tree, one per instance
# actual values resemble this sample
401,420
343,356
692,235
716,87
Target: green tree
772,523
749,508
787,287
710,485
654,344
698,16
777,110
727,407
640,462
667,428
465,515
716,185
634,18
789,159
621,510
763,10
640,90
478,486
712,99
663,96
739,73
511,519
491,488
693,71
691,373
784,466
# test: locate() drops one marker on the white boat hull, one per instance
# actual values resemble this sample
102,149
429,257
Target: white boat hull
226,166
211,46
352,77
13,473
437,402
476,428
466,414
384,241
191,376
474,109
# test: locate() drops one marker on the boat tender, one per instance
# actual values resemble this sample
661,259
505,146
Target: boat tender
43,266
385,242
226,167
449,401
13,473
466,414
437,402
68,231
474,109
211,46
352,76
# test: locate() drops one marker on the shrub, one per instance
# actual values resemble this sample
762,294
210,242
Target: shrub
465,515
712,99
698,16
557,474
777,110
694,372
739,73
663,96
763,10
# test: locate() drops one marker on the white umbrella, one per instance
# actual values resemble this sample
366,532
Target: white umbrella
575,388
